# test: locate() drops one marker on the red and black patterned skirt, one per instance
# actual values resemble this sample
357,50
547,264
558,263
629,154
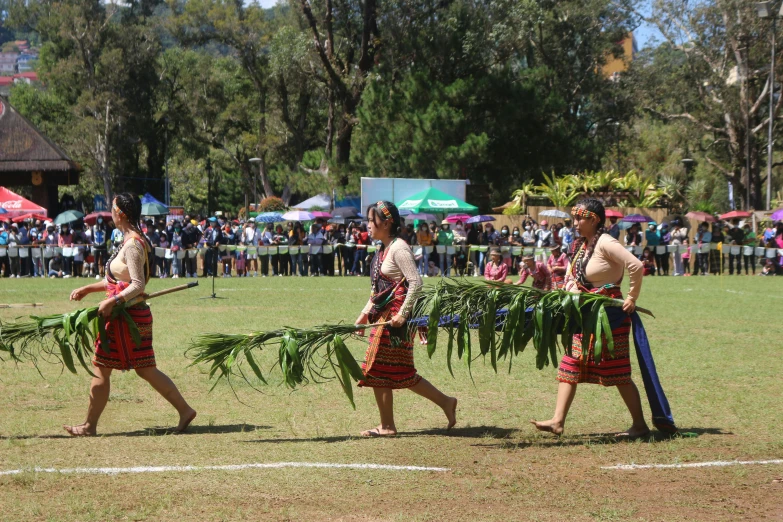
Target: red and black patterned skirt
388,362
611,370
122,353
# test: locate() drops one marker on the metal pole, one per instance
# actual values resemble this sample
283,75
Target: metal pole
209,187
771,115
747,125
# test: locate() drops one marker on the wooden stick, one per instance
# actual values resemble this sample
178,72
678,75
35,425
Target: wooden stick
140,298
21,305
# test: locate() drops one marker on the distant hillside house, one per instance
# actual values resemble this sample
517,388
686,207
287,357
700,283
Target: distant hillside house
7,81
8,63
615,66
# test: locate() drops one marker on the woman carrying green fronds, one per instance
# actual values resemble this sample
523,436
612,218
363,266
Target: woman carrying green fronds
127,273
597,266
388,362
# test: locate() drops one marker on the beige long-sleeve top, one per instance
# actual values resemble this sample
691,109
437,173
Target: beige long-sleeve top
128,265
607,265
398,263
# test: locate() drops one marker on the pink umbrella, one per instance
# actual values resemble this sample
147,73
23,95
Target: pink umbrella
453,218
321,214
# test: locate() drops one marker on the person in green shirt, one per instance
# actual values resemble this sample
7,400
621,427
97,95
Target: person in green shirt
445,238
750,239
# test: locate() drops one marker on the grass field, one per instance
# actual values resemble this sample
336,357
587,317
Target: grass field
717,343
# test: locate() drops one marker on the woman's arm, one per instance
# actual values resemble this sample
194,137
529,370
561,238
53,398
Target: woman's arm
403,258
79,293
631,263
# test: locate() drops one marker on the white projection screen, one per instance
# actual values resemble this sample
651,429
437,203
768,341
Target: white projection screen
397,189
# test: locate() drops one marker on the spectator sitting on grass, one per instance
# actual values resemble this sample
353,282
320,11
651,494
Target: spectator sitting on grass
56,266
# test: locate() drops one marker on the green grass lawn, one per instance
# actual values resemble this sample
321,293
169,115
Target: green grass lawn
716,341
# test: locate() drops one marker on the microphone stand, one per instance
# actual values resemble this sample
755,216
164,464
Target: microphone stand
214,251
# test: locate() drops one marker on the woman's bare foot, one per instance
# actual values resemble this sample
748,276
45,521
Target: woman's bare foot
80,430
185,420
380,431
550,426
634,432
451,413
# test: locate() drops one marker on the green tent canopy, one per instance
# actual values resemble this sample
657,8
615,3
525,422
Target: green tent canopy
433,200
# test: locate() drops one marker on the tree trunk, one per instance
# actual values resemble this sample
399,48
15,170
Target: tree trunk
104,155
262,172
344,143
330,127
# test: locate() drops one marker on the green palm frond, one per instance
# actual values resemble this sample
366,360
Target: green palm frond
67,337
303,355
548,319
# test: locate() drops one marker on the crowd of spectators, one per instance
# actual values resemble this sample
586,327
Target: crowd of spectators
227,247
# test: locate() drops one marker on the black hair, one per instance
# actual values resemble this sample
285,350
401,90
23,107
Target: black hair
395,215
596,207
130,205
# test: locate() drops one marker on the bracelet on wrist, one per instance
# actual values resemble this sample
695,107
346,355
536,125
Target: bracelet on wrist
117,300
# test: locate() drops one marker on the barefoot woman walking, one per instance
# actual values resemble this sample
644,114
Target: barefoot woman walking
388,363
598,266
127,274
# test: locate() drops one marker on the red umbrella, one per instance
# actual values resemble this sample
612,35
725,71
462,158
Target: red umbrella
701,216
91,219
33,216
613,213
736,214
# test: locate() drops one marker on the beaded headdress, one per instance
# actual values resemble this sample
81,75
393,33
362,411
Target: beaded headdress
582,212
384,210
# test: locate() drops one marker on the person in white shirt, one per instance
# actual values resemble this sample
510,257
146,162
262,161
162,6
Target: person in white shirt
250,239
544,235
315,239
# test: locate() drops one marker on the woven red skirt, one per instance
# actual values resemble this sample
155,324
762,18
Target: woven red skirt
611,370
388,362
122,352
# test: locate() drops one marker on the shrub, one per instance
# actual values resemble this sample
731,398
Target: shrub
271,204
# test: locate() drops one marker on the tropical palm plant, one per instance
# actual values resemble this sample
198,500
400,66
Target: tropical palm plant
696,193
641,190
560,191
520,198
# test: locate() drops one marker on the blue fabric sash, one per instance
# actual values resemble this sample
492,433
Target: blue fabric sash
659,405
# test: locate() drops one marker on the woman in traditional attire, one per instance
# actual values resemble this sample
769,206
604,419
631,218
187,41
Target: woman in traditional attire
388,363
127,273
598,265
496,269
557,265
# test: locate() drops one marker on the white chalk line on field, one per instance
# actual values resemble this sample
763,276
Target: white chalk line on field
229,467
713,464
